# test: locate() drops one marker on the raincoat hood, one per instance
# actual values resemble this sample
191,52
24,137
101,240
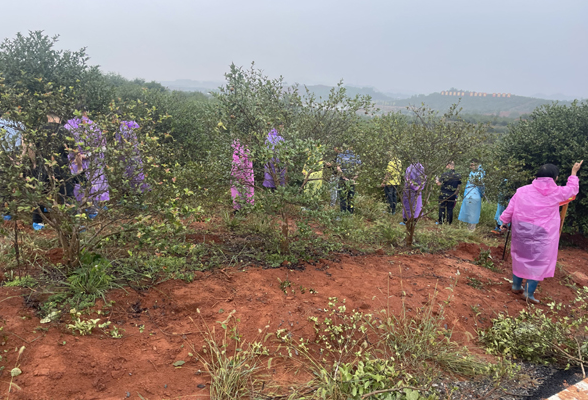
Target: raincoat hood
545,186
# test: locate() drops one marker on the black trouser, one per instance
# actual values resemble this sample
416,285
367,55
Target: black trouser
446,206
346,195
391,196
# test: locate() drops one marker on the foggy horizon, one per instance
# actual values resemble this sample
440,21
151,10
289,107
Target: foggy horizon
524,48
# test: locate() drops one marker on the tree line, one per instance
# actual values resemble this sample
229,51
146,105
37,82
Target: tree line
186,142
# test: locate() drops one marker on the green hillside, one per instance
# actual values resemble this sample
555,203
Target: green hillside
504,106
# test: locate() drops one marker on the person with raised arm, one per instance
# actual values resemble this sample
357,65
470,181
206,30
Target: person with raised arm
533,213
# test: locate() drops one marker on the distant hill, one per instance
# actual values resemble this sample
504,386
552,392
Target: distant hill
504,106
352,91
557,96
188,85
512,106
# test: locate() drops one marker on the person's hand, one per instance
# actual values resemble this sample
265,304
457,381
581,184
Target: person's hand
382,184
504,227
576,167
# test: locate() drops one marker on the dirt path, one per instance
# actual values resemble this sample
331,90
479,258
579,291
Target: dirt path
157,330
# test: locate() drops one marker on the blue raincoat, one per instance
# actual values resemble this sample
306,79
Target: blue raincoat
471,206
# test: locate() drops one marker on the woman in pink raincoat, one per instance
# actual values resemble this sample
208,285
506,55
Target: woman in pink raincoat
534,214
242,176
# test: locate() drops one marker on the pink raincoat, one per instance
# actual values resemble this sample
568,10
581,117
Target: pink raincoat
242,176
534,213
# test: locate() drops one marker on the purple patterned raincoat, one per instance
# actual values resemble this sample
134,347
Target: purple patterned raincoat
134,172
414,184
273,138
87,135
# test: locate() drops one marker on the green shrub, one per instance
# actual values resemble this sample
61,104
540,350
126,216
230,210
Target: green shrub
555,134
557,335
527,336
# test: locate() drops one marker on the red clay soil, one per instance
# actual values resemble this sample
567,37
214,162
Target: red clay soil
56,365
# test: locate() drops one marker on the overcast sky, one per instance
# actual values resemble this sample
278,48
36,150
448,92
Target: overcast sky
418,46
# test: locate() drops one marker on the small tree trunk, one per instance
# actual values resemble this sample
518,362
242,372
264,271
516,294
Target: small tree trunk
65,246
410,227
16,247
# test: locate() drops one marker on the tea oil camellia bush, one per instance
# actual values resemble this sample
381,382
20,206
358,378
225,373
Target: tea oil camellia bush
556,134
428,142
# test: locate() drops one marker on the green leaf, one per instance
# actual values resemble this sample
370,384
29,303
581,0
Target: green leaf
179,363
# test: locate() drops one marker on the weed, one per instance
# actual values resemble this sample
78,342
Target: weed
392,233
91,279
284,285
231,364
258,223
115,332
231,222
24,282
475,310
16,371
422,347
84,327
369,207
475,283
355,357
485,260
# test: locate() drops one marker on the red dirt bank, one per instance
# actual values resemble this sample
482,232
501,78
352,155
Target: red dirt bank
99,367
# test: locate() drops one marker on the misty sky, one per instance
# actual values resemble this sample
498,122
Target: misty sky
417,46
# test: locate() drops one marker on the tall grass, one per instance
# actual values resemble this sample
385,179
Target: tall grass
421,345
233,365
355,355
